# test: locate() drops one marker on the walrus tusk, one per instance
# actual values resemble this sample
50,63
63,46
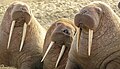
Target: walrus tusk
60,55
90,41
78,38
49,47
11,30
23,36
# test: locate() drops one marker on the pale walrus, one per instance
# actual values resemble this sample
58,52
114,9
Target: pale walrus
99,42
57,44
21,38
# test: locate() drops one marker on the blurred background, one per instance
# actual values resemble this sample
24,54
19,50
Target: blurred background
48,11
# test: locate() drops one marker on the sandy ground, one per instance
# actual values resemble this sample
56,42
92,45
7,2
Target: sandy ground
48,11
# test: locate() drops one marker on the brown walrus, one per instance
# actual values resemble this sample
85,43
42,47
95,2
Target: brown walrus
21,38
99,42
57,44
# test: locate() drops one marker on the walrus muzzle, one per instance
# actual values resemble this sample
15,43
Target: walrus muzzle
20,18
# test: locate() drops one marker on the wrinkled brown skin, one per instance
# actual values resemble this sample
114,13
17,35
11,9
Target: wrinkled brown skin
31,54
106,39
57,34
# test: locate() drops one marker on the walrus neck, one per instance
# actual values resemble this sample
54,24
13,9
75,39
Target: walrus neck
109,40
109,21
108,31
35,30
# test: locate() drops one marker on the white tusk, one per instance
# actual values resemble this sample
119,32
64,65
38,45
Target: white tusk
90,41
78,38
60,55
49,47
11,30
23,36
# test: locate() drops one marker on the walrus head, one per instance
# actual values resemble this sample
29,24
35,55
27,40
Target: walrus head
62,31
87,21
61,36
21,17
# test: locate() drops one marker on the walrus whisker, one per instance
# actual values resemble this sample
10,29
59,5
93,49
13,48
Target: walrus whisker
49,47
60,55
78,38
90,41
23,36
10,34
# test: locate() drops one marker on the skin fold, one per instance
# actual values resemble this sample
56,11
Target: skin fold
61,33
105,24
31,53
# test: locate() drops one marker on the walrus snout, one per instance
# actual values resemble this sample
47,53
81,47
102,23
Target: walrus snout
21,12
21,16
88,18
84,21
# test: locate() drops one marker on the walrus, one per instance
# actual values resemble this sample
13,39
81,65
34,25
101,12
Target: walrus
21,38
97,38
58,43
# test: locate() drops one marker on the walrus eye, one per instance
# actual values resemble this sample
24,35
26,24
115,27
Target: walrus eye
66,31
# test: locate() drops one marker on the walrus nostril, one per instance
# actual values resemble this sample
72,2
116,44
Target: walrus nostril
66,31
